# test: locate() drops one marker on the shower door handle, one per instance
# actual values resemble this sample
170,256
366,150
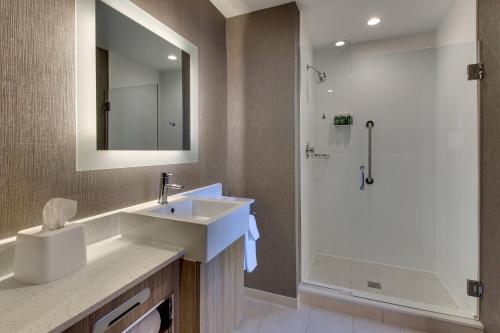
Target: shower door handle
362,178
369,125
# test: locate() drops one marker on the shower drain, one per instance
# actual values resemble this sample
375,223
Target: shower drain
374,285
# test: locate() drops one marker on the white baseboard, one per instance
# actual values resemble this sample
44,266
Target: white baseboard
270,297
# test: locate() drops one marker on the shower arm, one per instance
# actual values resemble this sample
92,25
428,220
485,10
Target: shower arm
314,68
321,76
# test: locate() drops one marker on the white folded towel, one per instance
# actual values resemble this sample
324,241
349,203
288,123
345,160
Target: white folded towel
250,259
252,228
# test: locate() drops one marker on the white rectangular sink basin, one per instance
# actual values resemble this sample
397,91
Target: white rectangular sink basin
192,209
202,227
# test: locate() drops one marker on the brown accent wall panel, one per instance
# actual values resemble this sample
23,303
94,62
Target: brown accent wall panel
186,101
102,91
263,59
37,112
489,30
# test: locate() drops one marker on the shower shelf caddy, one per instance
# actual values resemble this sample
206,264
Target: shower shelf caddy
343,120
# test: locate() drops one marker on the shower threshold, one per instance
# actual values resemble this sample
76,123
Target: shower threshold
392,285
377,310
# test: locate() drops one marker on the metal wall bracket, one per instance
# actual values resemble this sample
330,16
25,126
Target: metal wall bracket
311,153
309,150
475,288
475,72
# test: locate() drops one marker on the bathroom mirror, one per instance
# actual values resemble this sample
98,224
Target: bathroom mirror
136,88
142,86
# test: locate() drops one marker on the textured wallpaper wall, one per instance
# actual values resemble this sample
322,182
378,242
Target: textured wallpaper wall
489,29
263,60
37,112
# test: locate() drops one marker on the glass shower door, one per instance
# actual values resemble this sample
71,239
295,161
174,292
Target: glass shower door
410,238
414,230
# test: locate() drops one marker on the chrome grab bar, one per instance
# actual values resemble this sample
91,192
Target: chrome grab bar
362,178
369,124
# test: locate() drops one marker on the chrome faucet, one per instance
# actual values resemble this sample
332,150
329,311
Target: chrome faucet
165,185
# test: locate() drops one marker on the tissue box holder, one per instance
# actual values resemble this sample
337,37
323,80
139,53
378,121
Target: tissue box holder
45,256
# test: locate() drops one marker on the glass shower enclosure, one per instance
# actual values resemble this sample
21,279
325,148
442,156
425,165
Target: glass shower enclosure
389,184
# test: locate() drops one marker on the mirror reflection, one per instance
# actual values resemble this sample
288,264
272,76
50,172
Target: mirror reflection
142,86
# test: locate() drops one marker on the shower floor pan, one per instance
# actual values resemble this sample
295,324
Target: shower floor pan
390,284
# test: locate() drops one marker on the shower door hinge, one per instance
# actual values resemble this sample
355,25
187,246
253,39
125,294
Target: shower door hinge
106,106
475,288
475,72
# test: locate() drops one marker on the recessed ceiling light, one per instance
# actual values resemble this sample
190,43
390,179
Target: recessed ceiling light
374,21
330,90
340,43
172,57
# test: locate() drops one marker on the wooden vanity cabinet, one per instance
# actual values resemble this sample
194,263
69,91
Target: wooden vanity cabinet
206,297
212,293
162,285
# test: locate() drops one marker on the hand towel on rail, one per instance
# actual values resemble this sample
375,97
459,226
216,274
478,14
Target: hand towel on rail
252,235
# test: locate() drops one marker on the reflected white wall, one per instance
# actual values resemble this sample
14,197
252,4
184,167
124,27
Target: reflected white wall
170,110
133,115
149,115
124,72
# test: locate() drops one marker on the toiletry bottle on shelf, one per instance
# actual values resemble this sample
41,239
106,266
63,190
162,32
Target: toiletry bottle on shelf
336,120
349,119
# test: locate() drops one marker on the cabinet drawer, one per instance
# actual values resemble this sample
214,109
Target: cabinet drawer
135,302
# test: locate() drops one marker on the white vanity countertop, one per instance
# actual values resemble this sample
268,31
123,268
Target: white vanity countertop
113,266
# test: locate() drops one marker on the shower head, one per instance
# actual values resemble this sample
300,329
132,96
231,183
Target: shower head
321,75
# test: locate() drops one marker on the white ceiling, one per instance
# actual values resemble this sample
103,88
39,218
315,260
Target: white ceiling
332,20
230,8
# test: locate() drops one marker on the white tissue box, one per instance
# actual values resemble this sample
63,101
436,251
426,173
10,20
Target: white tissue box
44,256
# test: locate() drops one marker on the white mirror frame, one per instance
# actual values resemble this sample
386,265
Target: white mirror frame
87,155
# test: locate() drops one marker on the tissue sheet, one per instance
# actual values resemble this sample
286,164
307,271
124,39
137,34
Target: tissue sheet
56,212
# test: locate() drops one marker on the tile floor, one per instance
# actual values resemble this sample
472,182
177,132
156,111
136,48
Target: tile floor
264,317
407,284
